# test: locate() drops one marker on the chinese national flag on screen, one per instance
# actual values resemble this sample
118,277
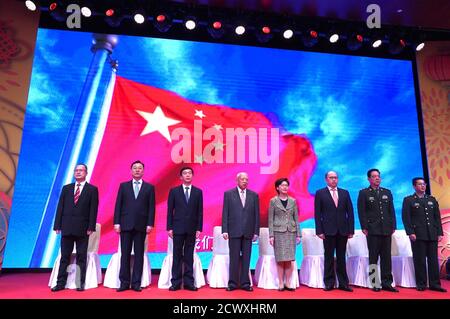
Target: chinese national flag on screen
139,127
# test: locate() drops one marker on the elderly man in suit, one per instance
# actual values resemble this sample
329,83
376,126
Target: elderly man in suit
333,213
240,225
134,218
422,220
184,224
75,220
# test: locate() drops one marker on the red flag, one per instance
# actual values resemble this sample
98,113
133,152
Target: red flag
161,129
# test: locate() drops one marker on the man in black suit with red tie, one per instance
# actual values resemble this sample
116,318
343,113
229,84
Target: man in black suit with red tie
240,225
333,213
75,220
184,224
134,218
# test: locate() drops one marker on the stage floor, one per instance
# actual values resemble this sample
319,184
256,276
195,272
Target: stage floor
35,286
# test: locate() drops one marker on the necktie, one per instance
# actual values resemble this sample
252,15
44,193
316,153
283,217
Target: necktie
136,189
77,194
243,198
335,198
186,194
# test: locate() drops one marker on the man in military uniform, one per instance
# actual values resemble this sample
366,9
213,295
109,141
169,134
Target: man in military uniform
422,221
377,218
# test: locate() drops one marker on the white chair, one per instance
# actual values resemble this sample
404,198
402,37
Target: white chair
266,275
218,270
358,260
93,268
165,276
402,260
112,271
311,269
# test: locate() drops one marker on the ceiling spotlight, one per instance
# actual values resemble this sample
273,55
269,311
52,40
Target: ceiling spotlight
376,43
190,24
139,18
396,45
264,33
113,17
420,46
57,12
310,38
240,30
288,33
355,41
30,5
333,38
216,28
162,22
86,12
109,12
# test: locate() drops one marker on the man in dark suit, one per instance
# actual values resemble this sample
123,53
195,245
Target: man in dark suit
422,221
240,225
134,217
333,212
75,220
377,218
184,224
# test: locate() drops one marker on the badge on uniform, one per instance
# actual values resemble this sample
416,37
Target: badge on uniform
430,203
384,197
416,205
371,198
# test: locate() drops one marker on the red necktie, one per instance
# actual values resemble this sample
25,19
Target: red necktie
77,194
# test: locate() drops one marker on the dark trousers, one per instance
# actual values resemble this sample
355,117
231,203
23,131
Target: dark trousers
425,251
380,246
237,246
128,240
330,244
67,243
183,254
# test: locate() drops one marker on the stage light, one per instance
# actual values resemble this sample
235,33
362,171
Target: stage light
30,5
396,45
310,38
264,33
113,17
190,23
419,46
240,30
355,41
57,11
109,12
265,30
86,12
139,18
333,38
376,43
162,22
288,33
216,28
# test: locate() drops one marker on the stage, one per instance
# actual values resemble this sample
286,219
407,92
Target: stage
35,286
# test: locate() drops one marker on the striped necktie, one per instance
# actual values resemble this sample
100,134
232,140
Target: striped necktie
77,194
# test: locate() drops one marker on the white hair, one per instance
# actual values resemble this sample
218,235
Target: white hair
240,173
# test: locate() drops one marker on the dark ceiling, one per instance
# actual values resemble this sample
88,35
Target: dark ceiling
430,14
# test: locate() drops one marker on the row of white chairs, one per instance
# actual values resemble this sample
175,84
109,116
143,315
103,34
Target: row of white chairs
311,270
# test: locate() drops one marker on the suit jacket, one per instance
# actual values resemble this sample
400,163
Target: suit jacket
421,216
240,221
185,217
331,220
135,213
283,219
77,219
376,212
